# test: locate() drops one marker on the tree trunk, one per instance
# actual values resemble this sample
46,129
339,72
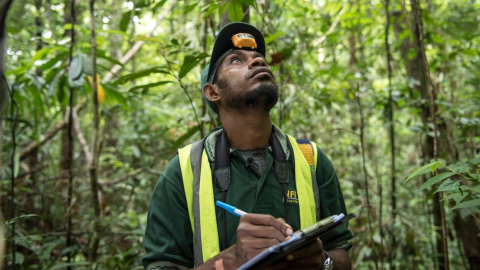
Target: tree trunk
392,137
4,6
417,73
69,151
93,164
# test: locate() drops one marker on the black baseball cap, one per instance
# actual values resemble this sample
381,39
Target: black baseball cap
224,44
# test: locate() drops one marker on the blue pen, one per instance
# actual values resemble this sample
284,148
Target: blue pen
233,210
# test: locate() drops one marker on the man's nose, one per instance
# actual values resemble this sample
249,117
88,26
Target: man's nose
258,61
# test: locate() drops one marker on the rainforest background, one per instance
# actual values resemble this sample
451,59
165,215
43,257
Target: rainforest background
98,95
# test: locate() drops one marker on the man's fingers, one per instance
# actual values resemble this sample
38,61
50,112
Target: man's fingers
315,247
289,228
261,244
267,232
267,220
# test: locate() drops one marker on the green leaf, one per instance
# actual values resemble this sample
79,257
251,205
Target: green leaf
422,170
125,21
53,85
113,95
247,2
13,220
146,86
470,52
141,73
184,137
41,53
19,258
432,181
102,54
75,68
189,62
456,196
142,3
50,63
235,11
467,204
189,8
449,184
158,5
271,38
434,167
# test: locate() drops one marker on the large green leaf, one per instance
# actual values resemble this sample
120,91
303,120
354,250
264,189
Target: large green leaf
271,38
432,181
468,204
184,137
141,73
189,62
53,85
75,72
50,49
52,62
449,184
113,95
423,170
235,11
158,5
125,21
146,86
102,54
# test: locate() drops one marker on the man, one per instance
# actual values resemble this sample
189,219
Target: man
249,163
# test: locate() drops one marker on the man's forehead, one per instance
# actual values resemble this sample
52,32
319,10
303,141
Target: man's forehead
245,53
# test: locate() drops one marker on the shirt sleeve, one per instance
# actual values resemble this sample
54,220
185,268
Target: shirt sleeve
168,236
331,203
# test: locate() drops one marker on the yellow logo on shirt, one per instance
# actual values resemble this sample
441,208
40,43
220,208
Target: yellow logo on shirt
292,196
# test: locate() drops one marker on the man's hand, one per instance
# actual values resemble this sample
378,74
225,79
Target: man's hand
311,256
256,233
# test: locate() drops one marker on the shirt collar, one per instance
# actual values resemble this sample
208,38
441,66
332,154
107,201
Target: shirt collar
211,139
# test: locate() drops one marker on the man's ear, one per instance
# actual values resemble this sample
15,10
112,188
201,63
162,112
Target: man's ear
211,92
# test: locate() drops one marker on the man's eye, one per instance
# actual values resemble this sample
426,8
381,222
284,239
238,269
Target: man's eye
235,60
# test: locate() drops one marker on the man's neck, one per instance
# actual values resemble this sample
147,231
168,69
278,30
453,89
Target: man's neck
247,129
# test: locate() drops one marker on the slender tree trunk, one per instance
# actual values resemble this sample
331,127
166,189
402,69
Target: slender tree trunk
69,153
4,6
93,166
429,93
39,30
391,135
65,142
365,175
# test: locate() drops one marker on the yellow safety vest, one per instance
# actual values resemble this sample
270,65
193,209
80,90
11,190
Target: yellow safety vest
199,191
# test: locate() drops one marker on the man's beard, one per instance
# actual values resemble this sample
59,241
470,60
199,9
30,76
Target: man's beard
264,96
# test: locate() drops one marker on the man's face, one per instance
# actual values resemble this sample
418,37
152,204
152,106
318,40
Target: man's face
245,81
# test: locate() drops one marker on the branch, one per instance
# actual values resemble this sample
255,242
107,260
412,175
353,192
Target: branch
123,178
136,47
81,138
333,26
49,135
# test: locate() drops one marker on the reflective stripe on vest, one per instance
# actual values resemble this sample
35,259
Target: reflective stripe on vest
199,191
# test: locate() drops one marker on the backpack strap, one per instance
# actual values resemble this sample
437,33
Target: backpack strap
309,151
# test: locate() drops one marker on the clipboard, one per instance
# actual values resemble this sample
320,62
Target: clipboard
297,241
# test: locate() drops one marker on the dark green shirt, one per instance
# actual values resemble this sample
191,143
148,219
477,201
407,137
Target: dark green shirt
169,239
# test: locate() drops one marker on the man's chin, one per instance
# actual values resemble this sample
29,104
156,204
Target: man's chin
265,96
